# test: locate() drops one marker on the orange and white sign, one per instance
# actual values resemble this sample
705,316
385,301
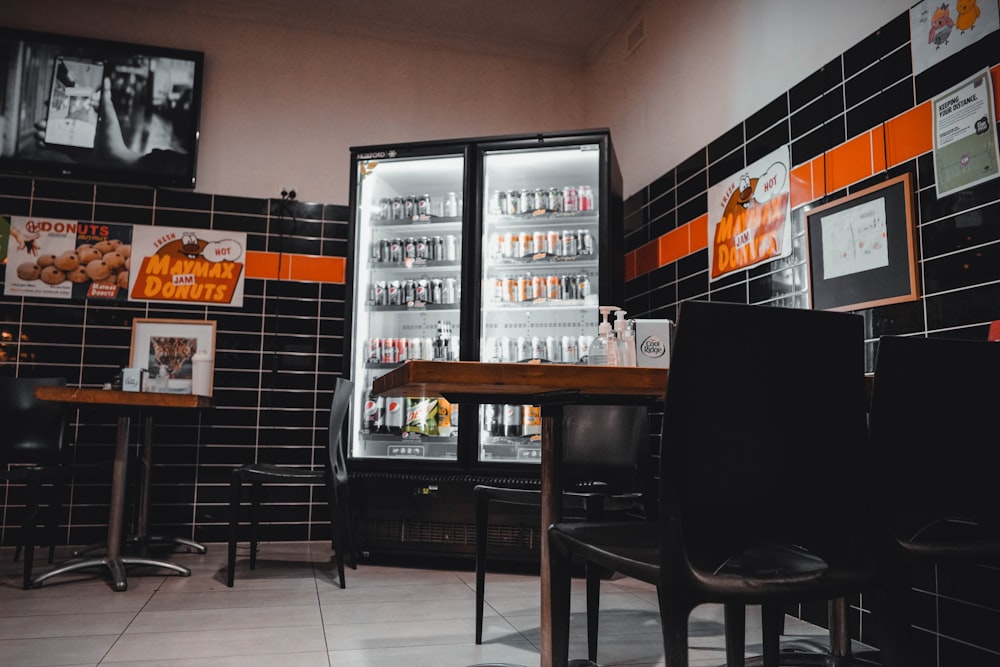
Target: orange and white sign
748,216
187,266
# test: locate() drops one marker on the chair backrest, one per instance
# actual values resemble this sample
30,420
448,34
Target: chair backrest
933,426
763,432
607,444
31,431
337,459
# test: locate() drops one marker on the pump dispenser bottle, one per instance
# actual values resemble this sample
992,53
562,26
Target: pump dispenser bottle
624,340
600,346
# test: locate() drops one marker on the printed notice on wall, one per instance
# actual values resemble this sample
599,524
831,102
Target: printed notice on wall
965,136
67,259
748,216
187,266
854,240
939,29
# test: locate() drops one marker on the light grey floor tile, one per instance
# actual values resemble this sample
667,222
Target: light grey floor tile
64,625
231,598
53,651
442,656
212,643
226,619
314,659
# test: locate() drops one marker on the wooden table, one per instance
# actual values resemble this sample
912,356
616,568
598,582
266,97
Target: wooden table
549,385
125,404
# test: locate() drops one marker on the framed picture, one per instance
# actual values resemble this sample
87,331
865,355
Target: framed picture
861,248
165,348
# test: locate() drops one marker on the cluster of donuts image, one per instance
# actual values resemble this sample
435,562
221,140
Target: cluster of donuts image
104,262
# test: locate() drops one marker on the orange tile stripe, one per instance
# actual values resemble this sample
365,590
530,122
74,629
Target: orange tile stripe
903,138
291,266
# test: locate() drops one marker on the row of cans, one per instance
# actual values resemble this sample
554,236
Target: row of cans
395,415
532,201
419,207
557,349
511,421
526,288
566,243
398,350
427,248
444,291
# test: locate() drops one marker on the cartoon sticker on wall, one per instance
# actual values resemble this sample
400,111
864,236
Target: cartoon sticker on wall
748,216
940,29
188,266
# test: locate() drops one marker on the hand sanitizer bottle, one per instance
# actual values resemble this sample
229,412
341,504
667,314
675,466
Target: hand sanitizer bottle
600,346
624,340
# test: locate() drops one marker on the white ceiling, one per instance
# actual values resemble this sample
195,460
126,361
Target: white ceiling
557,31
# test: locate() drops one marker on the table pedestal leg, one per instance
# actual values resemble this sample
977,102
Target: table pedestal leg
552,418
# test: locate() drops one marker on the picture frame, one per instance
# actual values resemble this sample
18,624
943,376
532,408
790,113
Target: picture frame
167,347
861,248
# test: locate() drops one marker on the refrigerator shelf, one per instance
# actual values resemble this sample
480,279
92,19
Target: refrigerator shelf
553,304
415,307
544,259
574,217
423,222
413,265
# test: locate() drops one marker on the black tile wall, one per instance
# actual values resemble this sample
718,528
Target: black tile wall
277,359
955,610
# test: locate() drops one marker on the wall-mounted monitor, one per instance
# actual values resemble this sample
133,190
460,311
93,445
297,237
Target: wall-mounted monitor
98,110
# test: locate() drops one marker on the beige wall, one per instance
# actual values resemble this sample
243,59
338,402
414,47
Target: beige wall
283,106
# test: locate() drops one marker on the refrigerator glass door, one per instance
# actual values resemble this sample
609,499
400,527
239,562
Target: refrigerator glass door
539,278
407,278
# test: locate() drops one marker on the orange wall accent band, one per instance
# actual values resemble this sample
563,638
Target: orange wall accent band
288,266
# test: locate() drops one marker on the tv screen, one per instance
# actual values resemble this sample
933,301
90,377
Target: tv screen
98,110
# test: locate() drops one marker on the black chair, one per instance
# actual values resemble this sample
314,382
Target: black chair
762,489
32,453
333,474
605,469
933,426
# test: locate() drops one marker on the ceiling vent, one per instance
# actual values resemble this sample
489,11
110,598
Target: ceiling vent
636,35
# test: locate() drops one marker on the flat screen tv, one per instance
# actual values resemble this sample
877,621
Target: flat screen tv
97,110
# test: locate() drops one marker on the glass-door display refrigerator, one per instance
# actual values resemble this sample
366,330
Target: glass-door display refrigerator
490,248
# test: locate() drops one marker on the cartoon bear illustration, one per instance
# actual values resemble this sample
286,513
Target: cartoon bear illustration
941,25
968,13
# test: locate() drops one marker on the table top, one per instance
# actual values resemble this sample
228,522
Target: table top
141,399
423,378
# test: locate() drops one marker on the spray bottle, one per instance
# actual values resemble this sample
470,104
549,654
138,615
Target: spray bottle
600,347
624,340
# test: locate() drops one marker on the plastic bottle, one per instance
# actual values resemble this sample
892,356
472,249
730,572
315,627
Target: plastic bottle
624,340
598,354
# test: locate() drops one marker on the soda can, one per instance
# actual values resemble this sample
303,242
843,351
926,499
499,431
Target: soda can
531,420
555,199
396,251
436,291
409,207
427,348
584,242
385,208
423,288
526,245
541,199
449,291
570,199
450,207
507,289
424,206
491,349
450,248
395,293
569,287
394,414
397,208
374,351
569,245
384,252
538,350
373,253
495,207
419,413
553,351
409,291
538,290
585,198
582,286
553,288
507,349
390,353
540,241
523,348
381,293
503,246
512,421
553,243
583,346
570,351
423,248
527,198
410,248
374,413
402,349
521,289
514,203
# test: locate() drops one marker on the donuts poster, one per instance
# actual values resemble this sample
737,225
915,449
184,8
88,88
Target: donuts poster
187,266
67,259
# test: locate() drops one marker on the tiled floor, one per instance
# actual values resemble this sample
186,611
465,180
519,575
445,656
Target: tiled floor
291,612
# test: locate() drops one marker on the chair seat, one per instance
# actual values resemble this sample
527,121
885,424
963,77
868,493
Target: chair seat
632,549
271,472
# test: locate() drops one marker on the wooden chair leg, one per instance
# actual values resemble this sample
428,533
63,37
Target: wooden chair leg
482,510
256,491
234,520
